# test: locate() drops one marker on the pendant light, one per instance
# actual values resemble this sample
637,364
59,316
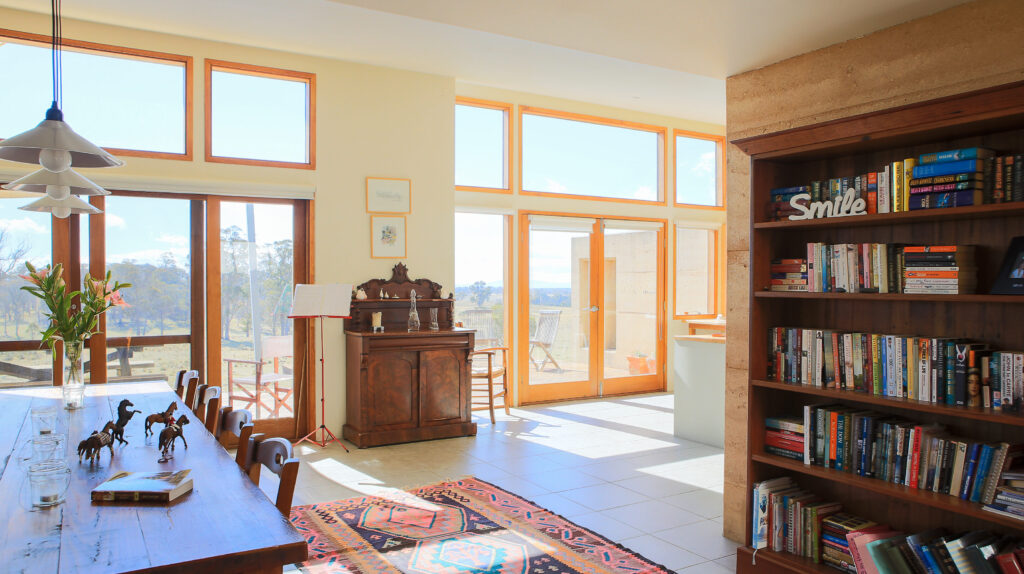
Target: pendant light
57,148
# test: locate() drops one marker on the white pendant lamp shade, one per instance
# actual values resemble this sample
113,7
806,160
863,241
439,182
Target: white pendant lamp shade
61,208
55,135
38,181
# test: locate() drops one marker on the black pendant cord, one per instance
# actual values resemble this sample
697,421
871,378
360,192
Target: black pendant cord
55,56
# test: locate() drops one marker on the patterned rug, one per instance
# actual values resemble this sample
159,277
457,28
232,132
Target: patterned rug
458,527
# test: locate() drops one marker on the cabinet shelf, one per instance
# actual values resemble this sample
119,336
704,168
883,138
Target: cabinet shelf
907,297
923,215
896,402
899,491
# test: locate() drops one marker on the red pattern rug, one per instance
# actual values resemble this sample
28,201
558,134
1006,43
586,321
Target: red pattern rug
458,527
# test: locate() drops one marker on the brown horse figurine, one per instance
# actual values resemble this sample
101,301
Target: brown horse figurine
166,417
92,446
168,436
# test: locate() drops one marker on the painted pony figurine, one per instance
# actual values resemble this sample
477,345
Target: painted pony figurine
92,446
165,417
169,434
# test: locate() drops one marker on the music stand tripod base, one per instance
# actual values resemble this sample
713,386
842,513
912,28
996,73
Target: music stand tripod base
323,442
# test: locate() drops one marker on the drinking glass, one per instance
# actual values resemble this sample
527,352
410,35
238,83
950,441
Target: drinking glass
42,449
48,483
44,420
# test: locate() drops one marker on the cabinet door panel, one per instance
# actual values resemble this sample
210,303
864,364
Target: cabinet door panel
393,389
441,391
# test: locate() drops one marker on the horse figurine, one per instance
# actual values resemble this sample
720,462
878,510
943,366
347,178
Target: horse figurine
165,417
168,436
92,446
123,416
115,432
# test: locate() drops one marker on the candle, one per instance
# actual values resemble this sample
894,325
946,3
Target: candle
377,319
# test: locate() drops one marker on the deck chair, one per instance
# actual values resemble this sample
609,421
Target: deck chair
544,337
269,381
482,320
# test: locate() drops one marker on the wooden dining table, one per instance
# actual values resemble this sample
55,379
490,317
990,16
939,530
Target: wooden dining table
225,525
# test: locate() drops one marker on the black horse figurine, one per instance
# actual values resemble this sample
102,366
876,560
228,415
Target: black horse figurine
123,416
169,434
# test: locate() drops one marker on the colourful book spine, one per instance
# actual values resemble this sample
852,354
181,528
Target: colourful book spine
947,168
954,155
897,186
908,173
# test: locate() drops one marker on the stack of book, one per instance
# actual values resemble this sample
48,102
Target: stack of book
784,436
934,370
835,533
779,207
939,269
951,178
1007,502
789,275
789,519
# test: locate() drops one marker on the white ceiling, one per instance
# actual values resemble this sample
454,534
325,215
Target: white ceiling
662,56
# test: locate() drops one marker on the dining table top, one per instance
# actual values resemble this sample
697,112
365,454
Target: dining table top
226,524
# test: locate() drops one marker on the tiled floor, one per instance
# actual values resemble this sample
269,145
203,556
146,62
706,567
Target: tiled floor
612,466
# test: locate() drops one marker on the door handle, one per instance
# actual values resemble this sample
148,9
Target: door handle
594,309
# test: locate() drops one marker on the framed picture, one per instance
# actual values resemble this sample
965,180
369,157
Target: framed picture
1011,275
388,195
387,238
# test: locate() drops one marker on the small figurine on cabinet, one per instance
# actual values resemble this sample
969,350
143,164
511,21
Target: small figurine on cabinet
166,417
414,316
360,295
167,437
92,446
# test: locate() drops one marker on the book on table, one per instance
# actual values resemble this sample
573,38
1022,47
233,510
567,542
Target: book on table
127,486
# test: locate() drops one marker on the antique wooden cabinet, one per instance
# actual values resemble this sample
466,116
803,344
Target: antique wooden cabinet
406,385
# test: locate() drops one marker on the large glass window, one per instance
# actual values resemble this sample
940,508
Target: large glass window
259,115
480,270
590,157
696,280
125,102
482,146
698,169
24,236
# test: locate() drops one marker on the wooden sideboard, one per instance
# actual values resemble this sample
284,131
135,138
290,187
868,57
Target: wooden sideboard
406,386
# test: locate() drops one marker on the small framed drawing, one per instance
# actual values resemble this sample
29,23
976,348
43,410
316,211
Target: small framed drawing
388,195
1010,280
387,240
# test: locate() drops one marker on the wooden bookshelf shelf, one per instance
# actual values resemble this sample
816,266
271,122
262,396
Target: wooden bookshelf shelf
767,561
965,298
914,495
991,118
895,402
923,215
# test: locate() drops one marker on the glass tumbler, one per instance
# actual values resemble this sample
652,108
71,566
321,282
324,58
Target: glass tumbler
44,420
48,483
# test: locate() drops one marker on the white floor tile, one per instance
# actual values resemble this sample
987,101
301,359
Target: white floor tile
603,496
703,538
662,552
651,516
606,526
706,503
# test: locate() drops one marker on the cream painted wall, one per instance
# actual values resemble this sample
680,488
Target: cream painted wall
513,203
969,47
371,121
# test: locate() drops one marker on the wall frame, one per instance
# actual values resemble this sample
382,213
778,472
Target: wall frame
388,195
387,237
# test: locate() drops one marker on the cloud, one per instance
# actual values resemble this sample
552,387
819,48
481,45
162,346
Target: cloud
115,221
553,186
23,225
152,256
179,240
645,192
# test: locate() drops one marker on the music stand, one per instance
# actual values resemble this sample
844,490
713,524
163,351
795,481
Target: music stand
330,301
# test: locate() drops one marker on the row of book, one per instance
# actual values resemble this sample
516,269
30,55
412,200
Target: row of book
933,370
953,178
896,450
878,268
790,519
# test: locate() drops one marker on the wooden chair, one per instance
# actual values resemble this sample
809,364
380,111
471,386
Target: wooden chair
483,373
179,384
238,423
276,455
198,401
482,321
544,337
190,382
208,407
278,383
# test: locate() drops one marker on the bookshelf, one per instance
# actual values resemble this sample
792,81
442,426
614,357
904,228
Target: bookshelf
991,118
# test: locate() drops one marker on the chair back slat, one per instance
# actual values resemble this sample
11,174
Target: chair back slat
547,326
197,406
179,384
190,381
210,406
276,455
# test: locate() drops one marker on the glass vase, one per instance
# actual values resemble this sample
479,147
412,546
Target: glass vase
73,386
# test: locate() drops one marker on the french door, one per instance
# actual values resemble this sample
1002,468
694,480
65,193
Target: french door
592,312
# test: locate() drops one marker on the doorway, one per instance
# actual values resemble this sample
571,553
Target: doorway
590,330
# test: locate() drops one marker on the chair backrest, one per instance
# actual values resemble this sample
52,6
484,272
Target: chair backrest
197,405
190,381
179,384
276,455
275,347
482,320
209,408
547,326
238,423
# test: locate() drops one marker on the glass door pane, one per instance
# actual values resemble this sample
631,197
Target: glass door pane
147,245
480,266
631,307
257,275
559,354
24,236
